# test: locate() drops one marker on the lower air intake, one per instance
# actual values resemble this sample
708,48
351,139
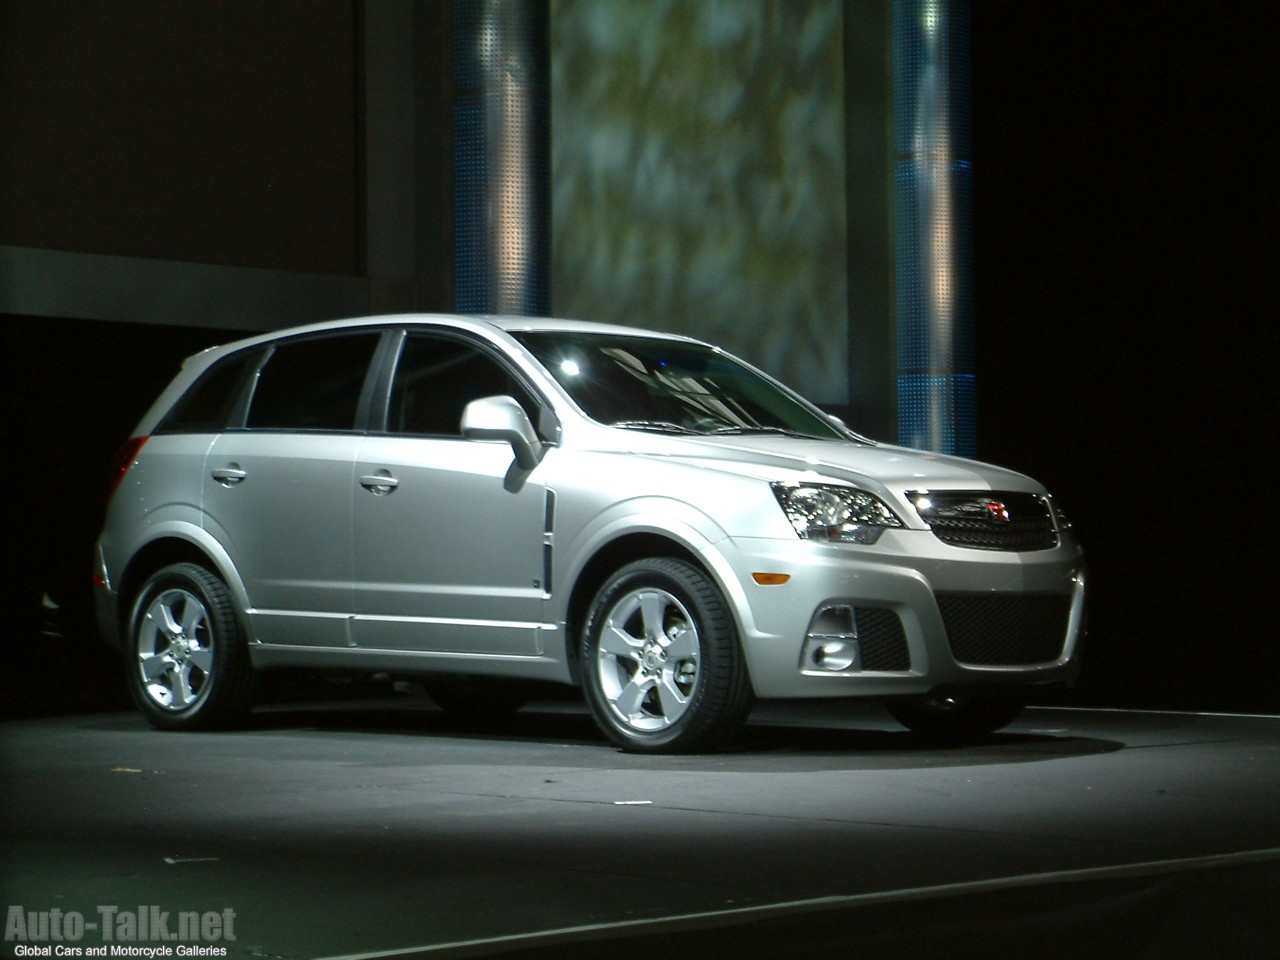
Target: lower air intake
1005,631
882,639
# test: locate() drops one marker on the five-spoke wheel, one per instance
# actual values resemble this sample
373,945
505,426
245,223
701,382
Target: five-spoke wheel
175,650
662,666
188,664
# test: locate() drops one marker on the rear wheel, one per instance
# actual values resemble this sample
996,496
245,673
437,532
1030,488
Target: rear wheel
662,666
953,719
188,667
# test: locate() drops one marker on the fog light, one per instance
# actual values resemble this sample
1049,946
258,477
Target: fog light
834,655
831,643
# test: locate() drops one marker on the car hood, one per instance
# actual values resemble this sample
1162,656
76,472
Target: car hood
895,469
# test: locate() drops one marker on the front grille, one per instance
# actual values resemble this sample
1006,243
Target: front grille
881,640
1005,631
981,520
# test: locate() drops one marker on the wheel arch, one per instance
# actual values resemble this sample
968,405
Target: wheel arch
636,544
609,558
170,548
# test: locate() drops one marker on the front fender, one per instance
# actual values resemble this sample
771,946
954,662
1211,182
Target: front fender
671,519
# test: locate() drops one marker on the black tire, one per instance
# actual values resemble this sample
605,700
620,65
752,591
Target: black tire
186,661
663,671
953,720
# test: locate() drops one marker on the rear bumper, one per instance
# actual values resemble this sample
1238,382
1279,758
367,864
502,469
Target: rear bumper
106,602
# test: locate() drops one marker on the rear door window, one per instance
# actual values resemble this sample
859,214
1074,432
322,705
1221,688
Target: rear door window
313,384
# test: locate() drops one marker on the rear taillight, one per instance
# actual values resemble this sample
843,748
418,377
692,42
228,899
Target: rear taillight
122,461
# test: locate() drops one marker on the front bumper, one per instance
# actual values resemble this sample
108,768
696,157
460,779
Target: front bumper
1016,619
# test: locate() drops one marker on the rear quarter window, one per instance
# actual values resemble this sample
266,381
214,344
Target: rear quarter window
215,401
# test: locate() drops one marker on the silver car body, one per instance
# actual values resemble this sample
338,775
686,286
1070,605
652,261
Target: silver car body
464,562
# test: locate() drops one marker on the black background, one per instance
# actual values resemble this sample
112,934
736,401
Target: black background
1124,316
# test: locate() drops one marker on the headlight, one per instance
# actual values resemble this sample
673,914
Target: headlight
821,511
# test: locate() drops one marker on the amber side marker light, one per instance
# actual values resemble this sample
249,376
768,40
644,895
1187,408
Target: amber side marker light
770,579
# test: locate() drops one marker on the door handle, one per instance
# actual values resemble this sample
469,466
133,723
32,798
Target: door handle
380,484
229,475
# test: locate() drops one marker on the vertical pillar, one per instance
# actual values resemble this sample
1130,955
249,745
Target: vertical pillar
385,74
933,226
501,156
869,199
404,102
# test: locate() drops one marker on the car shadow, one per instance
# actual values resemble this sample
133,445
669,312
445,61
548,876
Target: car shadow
771,742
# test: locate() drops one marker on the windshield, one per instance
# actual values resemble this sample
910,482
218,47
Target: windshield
668,386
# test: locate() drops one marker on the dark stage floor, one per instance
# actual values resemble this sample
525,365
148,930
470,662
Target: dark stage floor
371,827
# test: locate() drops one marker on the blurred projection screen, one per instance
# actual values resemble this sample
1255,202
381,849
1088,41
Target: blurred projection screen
698,176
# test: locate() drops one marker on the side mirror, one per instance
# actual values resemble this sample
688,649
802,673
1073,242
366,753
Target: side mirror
502,418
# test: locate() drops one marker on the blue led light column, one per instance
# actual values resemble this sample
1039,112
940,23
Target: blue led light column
933,185
501,156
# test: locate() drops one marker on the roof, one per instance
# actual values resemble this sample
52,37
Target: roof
507,324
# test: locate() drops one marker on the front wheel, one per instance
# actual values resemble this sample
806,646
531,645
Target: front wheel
662,666
188,666
951,720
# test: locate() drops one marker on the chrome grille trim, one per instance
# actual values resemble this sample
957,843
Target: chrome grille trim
987,519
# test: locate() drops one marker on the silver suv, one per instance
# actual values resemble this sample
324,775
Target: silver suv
473,501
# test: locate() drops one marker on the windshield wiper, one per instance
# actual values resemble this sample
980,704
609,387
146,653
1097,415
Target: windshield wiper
781,431
657,426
